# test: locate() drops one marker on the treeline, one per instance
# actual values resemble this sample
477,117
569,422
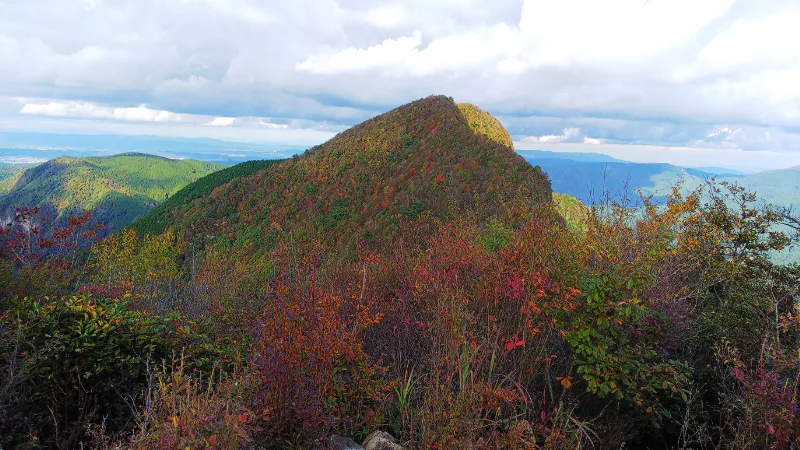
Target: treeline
666,326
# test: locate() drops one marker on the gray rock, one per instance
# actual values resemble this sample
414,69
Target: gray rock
343,443
380,440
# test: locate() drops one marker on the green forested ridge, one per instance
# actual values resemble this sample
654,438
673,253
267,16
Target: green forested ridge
117,189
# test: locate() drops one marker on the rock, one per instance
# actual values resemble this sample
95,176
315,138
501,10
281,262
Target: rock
380,440
343,443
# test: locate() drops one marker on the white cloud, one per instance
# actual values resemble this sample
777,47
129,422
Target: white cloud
405,55
769,41
86,110
239,9
89,110
570,135
273,126
388,53
723,131
386,16
592,141
549,33
621,31
90,4
222,122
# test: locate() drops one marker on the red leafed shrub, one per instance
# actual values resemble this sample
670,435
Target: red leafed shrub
762,402
474,316
38,258
314,375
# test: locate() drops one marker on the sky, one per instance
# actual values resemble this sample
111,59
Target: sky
693,83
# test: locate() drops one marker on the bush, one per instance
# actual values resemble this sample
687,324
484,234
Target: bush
71,363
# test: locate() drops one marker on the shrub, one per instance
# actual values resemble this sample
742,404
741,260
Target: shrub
314,377
69,363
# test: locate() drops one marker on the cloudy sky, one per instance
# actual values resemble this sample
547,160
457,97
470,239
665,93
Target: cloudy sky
692,82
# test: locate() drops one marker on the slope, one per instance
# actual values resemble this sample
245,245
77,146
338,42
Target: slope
117,189
420,161
157,220
10,170
779,187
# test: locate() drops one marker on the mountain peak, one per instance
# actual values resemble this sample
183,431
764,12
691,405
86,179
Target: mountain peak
431,158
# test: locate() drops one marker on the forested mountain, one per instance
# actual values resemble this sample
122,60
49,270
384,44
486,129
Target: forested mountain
425,159
116,189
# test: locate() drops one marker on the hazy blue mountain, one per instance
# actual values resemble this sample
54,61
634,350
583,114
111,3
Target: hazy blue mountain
780,187
720,171
536,155
587,180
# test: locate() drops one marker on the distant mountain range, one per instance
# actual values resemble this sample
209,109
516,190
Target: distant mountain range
588,177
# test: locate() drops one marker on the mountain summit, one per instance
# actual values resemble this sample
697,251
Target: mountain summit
431,158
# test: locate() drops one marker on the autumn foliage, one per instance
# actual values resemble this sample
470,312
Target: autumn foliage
410,276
